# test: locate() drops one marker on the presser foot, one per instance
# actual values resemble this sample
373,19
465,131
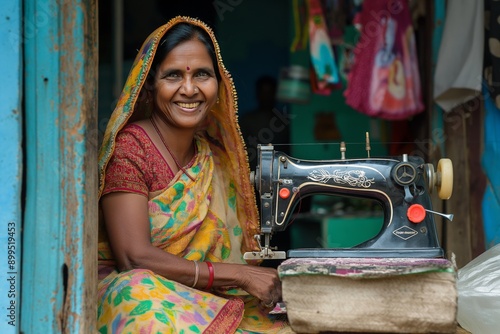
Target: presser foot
265,253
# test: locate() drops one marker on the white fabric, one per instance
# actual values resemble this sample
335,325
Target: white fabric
458,74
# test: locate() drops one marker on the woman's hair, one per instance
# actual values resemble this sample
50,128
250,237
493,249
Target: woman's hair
181,33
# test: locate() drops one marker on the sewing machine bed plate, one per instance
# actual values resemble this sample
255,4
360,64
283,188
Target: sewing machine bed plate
363,267
428,252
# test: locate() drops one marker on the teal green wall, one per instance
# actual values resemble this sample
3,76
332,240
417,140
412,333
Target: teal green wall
351,124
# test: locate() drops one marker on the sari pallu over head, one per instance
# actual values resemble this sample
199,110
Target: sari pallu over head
189,218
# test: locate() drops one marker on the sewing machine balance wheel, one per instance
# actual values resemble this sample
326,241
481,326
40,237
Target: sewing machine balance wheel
442,178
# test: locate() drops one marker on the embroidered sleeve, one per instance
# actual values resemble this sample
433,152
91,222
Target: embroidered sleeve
126,169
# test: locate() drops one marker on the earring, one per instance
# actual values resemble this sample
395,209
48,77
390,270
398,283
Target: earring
217,101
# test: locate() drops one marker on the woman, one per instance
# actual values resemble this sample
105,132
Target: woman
178,208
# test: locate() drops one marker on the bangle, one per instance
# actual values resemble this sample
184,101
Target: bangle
210,275
196,273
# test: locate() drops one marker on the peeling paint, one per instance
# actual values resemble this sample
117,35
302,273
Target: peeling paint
74,306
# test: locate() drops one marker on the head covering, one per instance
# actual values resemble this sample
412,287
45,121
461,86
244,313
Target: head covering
222,130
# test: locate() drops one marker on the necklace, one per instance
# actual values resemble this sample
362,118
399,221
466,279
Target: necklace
168,149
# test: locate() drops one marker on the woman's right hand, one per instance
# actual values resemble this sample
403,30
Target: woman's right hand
262,283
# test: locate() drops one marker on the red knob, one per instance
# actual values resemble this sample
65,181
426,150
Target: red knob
416,213
284,193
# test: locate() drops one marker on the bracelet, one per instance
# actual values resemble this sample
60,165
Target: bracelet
196,273
211,275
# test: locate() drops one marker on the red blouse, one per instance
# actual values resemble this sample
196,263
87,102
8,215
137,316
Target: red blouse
136,165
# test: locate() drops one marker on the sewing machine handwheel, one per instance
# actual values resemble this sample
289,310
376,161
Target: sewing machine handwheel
444,178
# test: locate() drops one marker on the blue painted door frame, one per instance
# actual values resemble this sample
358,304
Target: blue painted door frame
10,164
60,214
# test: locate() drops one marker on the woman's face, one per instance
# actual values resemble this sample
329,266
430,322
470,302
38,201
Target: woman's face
185,85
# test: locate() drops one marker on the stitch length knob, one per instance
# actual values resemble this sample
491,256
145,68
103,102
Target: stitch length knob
416,213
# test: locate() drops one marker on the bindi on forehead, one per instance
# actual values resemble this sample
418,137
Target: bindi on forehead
188,68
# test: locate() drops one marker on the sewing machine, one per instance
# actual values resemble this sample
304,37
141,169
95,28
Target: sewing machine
402,185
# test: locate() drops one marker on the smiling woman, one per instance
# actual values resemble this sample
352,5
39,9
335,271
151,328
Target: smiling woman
177,213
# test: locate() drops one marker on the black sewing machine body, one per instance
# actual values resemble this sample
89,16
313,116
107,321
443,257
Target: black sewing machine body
401,185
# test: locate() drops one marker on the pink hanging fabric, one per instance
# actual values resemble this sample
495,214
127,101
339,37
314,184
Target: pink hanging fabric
384,81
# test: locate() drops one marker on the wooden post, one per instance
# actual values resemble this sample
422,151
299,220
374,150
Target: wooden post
458,233
436,15
475,129
10,164
60,225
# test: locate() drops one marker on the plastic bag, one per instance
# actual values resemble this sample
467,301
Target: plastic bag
478,287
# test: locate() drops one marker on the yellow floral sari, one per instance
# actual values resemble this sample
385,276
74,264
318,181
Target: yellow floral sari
212,218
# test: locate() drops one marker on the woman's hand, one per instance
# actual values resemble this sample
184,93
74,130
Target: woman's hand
262,283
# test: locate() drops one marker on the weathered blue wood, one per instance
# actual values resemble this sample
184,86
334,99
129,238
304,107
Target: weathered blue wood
10,164
60,226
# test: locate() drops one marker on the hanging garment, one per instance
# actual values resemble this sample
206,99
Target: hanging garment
300,26
322,56
335,13
384,80
458,74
